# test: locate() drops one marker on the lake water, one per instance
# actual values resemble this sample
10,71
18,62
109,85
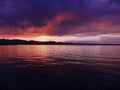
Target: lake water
31,67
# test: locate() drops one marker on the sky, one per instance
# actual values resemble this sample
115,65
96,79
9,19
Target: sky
61,20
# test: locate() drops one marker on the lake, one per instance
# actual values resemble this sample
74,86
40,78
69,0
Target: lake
31,67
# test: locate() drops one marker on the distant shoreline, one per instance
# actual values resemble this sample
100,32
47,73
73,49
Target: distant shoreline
66,44
24,42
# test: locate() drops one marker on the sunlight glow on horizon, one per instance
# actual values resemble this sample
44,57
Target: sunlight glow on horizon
97,38
101,38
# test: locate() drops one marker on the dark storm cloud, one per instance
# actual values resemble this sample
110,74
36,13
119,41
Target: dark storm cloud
24,14
13,12
115,1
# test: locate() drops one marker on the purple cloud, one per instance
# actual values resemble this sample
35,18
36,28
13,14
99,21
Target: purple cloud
21,15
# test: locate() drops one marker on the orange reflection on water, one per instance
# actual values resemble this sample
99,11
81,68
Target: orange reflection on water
30,54
36,54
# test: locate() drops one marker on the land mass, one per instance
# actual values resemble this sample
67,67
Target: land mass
32,42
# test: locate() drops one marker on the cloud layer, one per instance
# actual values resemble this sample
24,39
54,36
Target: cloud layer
28,18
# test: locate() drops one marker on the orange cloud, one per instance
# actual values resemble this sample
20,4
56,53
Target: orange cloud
49,27
96,28
35,31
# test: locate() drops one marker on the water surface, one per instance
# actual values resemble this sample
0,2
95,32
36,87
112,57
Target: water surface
28,67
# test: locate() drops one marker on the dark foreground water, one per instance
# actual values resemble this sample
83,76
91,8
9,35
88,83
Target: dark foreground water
59,67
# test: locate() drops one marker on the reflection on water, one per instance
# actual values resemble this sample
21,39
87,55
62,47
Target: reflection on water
85,67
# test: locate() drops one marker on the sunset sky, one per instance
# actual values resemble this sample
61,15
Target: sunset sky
61,20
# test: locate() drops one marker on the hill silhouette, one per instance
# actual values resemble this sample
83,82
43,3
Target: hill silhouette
32,42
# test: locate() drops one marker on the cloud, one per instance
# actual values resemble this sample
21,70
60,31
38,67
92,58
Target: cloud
59,17
115,1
